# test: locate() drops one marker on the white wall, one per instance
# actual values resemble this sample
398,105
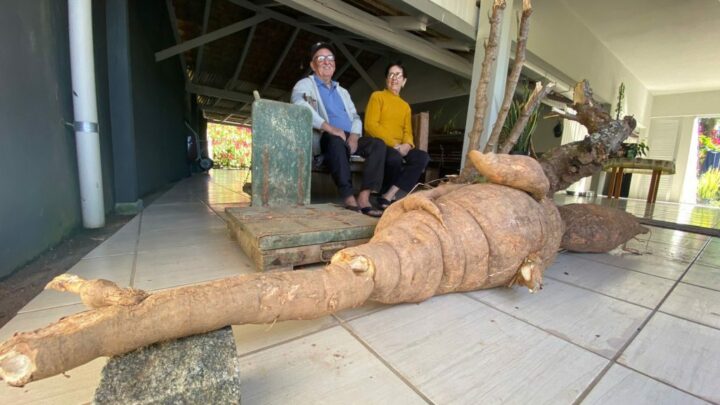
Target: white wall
686,104
425,83
679,111
559,38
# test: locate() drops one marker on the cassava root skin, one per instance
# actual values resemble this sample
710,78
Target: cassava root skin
505,169
594,228
179,312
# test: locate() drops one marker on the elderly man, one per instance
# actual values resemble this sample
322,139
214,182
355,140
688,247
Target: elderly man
338,128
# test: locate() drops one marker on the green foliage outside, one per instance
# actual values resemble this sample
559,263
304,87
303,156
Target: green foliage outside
708,138
231,146
708,190
709,187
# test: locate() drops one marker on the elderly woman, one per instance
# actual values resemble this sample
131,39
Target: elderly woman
387,117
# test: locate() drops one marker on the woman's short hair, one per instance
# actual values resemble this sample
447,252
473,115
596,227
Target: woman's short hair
397,63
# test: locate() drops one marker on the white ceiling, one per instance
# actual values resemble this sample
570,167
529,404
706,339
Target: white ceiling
671,46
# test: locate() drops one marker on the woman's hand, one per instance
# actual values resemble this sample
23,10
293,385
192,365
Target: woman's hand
403,148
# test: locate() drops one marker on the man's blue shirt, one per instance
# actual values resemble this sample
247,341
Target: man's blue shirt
331,98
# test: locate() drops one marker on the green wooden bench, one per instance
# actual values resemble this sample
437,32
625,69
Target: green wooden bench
282,229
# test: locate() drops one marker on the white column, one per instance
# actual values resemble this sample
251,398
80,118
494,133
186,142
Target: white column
87,139
498,76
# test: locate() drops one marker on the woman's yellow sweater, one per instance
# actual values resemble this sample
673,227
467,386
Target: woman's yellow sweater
387,117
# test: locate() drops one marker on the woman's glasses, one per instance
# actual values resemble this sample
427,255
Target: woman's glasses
395,75
323,58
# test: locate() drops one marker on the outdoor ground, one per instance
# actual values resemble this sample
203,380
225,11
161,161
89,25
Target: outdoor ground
24,284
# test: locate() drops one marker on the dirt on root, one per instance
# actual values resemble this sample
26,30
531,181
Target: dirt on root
17,289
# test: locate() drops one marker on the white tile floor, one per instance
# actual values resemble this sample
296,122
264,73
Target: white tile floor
616,328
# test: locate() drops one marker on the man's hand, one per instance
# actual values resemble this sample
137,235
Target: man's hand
333,130
352,142
403,148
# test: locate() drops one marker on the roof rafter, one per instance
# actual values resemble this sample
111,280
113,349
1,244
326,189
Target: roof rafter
176,34
304,26
206,18
353,19
406,23
218,93
203,39
356,65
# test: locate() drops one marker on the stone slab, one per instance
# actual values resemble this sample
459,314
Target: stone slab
200,369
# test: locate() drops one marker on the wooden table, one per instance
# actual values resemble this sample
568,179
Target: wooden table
618,167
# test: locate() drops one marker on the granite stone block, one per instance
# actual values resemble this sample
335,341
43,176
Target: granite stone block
200,369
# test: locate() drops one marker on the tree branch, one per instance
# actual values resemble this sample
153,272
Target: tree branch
555,114
589,112
514,76
491,50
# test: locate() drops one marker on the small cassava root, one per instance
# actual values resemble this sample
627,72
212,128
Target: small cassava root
452,238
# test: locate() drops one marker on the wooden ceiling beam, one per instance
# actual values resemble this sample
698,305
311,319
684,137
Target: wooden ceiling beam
203,39
219,93
304,26
406,23
355,20
206,18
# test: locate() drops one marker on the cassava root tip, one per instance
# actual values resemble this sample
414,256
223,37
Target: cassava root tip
16,368
528,275
96,293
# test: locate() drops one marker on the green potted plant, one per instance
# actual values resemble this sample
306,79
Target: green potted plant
635,150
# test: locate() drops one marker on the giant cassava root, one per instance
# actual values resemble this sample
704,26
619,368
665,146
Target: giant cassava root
452,238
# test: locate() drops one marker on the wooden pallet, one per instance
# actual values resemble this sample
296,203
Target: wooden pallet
279,238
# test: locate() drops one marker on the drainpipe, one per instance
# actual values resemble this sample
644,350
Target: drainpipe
87,140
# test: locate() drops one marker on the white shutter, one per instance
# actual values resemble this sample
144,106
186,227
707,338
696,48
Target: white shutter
663,142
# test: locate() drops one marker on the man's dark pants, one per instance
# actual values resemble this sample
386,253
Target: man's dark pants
337,159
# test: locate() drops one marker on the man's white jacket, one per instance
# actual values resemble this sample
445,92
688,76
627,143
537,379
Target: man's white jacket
306,93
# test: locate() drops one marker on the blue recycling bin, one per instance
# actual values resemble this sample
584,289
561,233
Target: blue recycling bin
712,161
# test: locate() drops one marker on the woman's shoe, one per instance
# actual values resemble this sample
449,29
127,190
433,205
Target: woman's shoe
383,203
371,212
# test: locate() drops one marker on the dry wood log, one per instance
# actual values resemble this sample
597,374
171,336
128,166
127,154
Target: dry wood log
453,238
566,164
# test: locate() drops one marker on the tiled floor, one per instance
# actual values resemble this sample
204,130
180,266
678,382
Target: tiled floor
639,325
